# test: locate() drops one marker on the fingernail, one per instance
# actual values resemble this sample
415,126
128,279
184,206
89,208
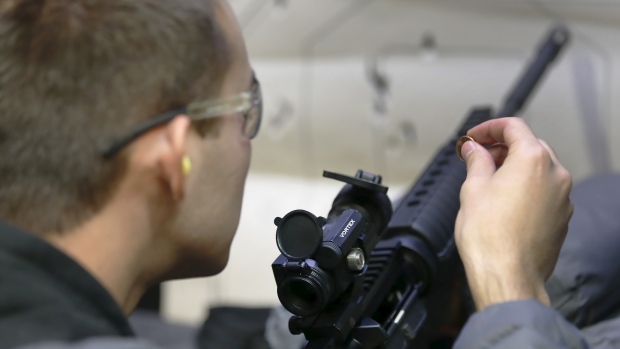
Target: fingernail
459,145
467,149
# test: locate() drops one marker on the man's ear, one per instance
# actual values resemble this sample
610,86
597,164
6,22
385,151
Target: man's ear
170,161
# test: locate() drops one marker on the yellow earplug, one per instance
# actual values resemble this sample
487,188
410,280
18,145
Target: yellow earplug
187,165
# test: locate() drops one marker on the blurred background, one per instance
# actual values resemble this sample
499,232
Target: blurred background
380,85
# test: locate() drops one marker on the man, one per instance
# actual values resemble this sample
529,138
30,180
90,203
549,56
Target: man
104,190
125,131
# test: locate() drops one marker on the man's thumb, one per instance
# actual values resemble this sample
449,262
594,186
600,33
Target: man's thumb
479,161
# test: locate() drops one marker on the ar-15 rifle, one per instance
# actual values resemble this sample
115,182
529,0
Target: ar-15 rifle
359,278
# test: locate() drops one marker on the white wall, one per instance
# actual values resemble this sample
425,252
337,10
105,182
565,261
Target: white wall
332,124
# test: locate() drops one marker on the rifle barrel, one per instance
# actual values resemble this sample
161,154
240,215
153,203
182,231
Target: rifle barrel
548,51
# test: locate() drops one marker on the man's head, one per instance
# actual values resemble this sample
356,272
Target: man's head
77,75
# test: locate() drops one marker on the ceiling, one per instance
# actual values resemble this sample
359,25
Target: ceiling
277,28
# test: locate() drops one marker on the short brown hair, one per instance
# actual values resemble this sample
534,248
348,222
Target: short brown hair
77,74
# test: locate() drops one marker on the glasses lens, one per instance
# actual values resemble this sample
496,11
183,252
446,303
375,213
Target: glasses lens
252,120
254,115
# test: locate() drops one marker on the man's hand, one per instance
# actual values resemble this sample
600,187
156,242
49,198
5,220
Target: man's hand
514,212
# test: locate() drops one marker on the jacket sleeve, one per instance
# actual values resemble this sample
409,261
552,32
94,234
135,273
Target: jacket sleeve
96,343
520,325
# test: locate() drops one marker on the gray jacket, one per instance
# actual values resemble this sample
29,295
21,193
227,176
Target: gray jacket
529,324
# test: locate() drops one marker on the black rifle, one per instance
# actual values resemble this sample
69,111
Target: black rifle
360,277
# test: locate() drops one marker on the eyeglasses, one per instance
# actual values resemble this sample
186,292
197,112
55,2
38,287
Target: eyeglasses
249,103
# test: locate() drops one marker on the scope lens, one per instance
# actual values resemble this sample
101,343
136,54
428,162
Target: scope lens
306,295
303,295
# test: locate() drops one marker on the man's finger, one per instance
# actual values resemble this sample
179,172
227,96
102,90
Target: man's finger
499,152
503,130
479,161
552,153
